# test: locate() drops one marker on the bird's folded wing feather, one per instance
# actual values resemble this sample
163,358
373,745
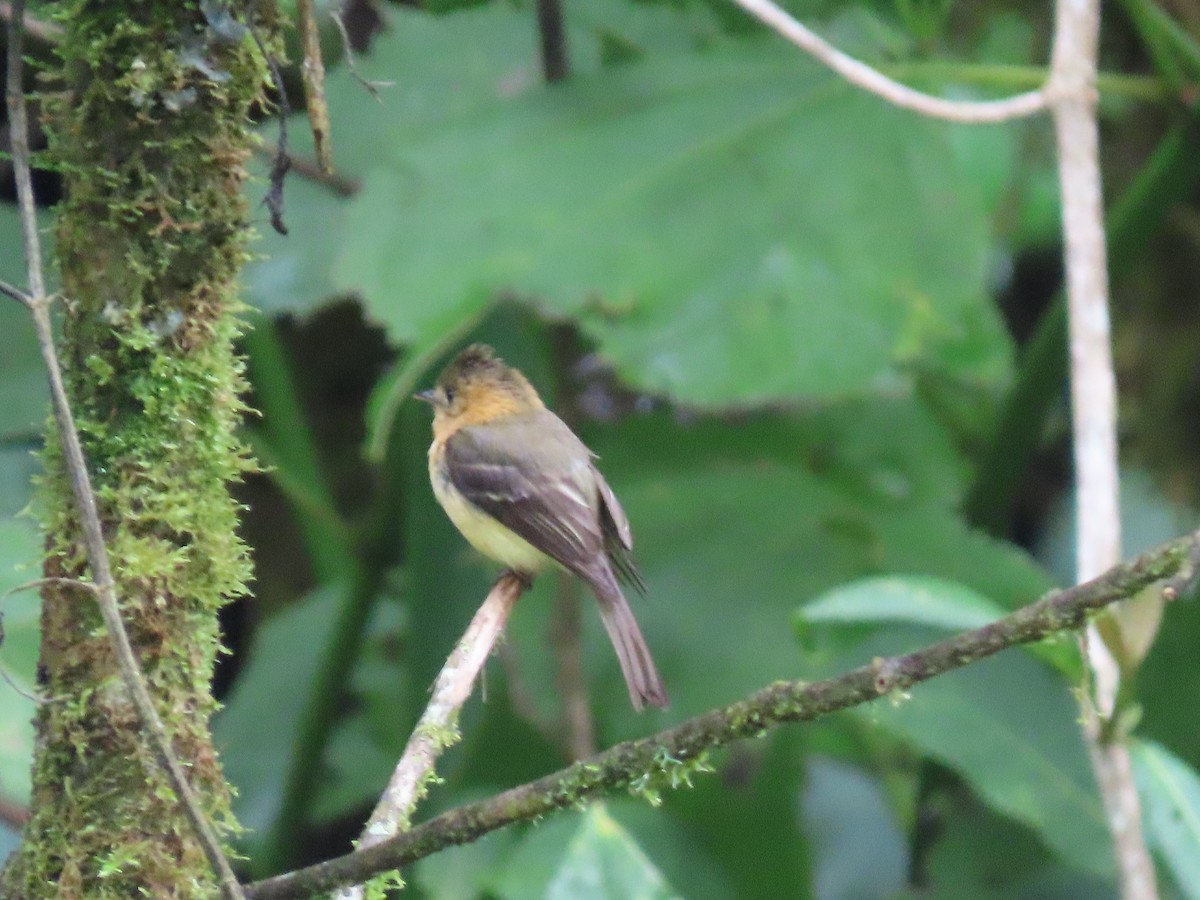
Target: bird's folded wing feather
543,490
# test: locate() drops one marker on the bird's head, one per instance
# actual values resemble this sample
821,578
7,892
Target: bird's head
478,387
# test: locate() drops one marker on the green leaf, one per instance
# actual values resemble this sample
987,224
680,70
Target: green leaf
913,599
918,600
356,768
466,872
622,198
456,62
256,730
292,272
1170,793
844,811
529,867
1007,725
603,861
978,853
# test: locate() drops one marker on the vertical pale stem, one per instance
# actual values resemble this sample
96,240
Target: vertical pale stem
1094,408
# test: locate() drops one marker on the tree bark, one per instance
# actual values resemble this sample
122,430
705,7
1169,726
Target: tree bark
150,126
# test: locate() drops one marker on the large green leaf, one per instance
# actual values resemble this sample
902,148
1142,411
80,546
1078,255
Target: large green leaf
257,729
599,860
442,68
845,811
1170,795
917,600
733,227
979,853
602,861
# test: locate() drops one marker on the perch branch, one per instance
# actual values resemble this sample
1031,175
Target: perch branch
666,758
437,729
77,470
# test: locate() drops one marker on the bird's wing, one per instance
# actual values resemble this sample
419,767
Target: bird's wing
618,536
543,489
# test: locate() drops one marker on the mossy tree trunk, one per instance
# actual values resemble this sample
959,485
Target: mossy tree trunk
151,132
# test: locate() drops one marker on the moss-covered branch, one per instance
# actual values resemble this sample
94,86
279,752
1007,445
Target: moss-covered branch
667,759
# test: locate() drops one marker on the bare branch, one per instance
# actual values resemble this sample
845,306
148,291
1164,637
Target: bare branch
869,79
77,470
348,52
667,758
18,130
437,729
307,167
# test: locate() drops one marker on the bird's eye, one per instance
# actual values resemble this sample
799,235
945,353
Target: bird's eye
449,395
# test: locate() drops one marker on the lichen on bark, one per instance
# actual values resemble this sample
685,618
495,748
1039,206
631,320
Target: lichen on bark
149,124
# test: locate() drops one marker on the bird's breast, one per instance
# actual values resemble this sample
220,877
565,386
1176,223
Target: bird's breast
482,531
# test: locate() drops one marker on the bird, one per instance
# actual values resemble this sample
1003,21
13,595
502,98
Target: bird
525,492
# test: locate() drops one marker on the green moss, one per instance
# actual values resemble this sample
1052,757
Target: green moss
152,134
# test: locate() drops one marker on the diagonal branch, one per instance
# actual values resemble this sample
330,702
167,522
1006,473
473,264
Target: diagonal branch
668,758
81,487
437,729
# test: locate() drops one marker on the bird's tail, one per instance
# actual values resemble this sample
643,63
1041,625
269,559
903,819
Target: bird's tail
637,665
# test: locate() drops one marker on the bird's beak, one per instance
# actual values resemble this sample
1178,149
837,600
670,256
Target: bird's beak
426,396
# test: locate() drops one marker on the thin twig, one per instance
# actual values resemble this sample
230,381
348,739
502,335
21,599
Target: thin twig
869,79
372,87
17,294
437,729
1094,416
52,580
31,696
281,162
666,759
18,130
77,470
306,167
313,69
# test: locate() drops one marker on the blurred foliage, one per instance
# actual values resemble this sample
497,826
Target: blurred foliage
786,316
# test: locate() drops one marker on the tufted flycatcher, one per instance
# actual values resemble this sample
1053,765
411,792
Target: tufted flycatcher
525,491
